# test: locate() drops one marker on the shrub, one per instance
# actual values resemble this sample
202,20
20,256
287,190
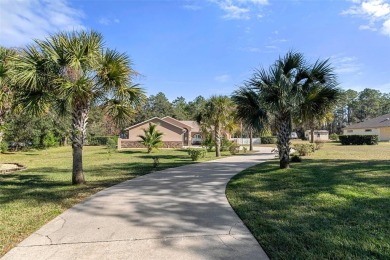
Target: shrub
358,139
49,140
3,147
304,149
334,137
196,154
234,149
208,142
268,139
111,144
295,158
225,144
319,144
244,149
101,140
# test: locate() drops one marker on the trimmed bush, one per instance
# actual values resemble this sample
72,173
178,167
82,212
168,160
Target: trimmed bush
268,139
358,139
196,154
234,149
304,149
334,137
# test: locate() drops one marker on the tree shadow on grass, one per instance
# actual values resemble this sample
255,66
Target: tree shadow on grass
319,209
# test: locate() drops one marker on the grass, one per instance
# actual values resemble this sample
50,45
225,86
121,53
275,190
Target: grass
33,197
335,204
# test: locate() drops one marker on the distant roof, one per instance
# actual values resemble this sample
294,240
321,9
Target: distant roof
377,122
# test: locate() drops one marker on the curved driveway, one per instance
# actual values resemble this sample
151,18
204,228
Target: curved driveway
178,213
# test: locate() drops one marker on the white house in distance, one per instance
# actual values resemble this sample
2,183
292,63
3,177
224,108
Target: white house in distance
379,126
319,135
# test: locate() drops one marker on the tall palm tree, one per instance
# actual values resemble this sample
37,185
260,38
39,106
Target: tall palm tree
216,115
284,88
152,138
70,72
6,56
250,111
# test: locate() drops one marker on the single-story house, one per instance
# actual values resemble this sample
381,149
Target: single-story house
379,126
319,135
176,133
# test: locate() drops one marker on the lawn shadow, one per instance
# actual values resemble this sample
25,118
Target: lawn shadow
326,209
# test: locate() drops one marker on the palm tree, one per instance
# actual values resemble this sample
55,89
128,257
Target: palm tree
6,56
152,138
70,72
250,110
217,115
284,88
318,98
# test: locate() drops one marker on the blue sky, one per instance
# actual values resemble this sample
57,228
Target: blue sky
190,48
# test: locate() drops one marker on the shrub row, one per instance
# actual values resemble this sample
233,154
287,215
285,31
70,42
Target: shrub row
102,140
268,139
358,139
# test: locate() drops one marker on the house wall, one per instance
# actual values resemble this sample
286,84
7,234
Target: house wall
170,132
172,135
323,136
384,134
361,131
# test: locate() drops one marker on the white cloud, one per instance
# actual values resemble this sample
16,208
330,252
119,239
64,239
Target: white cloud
377,12
104,21
345,64
192,7
107,21
240,9
222,78
25,20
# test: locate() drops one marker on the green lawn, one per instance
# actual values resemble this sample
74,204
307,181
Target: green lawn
335,204
31,198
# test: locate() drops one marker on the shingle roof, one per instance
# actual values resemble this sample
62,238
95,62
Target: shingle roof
377,122
193,124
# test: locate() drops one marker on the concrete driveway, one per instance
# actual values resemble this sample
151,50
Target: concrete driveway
178,213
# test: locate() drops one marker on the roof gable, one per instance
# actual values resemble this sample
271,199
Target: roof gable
153,120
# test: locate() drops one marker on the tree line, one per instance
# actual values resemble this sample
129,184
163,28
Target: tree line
56,88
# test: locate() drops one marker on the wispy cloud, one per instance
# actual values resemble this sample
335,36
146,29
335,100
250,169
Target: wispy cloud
222,78
108,21
240,9
192,7
376,12
345,64
22,21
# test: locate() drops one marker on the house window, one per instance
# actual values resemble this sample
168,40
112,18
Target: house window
197,136
349,131
368,130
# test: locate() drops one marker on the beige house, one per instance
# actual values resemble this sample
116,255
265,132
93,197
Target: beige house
379,126
176,133
319,135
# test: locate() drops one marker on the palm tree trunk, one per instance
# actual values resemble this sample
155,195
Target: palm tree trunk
312,134
217,141
79,127
284,143
251,139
